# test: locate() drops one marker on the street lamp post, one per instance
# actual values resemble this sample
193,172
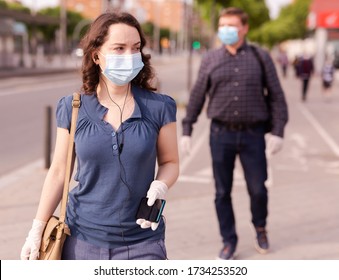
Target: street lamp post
33,38
156,29
189,45
213,22
63,29
116,4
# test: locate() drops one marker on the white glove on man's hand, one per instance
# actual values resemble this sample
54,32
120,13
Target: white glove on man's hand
30,250
157,190
185,144
274,144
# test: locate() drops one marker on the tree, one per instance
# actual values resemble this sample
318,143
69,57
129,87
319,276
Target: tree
14,6
256,9
73,18
290,24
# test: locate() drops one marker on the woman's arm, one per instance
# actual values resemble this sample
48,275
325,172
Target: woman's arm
168,158
54,181
168,171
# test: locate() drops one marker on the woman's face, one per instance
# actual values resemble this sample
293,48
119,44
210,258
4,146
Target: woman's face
121,39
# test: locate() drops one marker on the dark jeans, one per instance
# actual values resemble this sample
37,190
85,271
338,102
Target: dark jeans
250,145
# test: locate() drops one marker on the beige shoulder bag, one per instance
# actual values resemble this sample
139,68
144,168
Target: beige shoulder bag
56,230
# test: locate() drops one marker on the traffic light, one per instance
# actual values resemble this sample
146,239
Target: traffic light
196,45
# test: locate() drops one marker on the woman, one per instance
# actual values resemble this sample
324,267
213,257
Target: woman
123,130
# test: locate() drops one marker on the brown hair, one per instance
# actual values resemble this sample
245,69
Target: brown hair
233,11
96,37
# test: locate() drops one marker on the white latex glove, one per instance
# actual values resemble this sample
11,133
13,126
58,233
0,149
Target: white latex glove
157,190
274,144
185,144
30,250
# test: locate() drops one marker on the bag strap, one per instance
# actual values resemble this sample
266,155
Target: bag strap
262,65
70,155
265,91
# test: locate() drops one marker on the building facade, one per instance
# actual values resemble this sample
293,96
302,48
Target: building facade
324,20
166,14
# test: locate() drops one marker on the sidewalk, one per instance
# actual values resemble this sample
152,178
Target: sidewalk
303,205
24,72
304,222
44,67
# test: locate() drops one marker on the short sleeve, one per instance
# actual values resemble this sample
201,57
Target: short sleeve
169,112
64,112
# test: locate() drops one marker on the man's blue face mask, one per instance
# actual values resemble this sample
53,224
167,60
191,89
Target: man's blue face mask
228,35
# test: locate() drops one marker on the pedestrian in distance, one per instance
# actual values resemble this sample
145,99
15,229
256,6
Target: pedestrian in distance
232,78
305,69
295,65
123,129
327,76
283,62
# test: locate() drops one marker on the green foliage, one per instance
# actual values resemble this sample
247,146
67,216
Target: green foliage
48,31
291,24
148,28
14,6
256,9
18,7
3,4
206,8
164,33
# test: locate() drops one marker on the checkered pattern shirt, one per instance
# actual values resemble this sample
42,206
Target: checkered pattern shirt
233,85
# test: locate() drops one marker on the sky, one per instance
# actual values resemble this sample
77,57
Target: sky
273,5
39,4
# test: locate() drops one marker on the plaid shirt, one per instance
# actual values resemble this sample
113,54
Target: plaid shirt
234,87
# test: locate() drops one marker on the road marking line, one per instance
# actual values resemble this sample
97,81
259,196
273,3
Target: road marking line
322,132
207,180
194,179
195,149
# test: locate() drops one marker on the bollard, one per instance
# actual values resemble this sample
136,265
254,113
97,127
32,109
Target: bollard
48,136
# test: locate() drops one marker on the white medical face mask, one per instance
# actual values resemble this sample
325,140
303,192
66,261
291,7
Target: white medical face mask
122,68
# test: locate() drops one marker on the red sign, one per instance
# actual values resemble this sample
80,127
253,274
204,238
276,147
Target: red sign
328,19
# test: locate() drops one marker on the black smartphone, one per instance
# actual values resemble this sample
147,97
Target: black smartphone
150,213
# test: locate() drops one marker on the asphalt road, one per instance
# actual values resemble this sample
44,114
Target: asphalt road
22,111
23,102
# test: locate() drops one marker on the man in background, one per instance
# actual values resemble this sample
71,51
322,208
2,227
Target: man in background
233,78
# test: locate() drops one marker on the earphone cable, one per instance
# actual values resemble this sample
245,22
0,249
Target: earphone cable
122,169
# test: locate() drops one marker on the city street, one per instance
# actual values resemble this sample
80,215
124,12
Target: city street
303,183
